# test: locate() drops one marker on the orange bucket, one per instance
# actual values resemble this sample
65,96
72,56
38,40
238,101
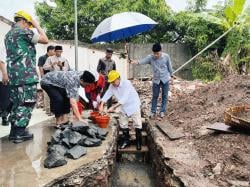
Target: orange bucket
102,121
93,115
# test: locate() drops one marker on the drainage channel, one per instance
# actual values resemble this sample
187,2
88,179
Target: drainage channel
143,168
124,168
132,167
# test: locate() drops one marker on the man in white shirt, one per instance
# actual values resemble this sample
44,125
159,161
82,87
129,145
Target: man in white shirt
57,62
130,103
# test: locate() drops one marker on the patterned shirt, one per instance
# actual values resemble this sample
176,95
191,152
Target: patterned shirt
162,67
21,56
69,80
105,66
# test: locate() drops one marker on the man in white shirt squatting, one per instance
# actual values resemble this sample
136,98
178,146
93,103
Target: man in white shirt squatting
130,103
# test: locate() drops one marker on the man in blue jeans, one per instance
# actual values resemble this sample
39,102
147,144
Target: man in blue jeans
162,73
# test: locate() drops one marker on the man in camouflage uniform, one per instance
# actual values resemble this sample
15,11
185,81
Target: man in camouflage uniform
21,67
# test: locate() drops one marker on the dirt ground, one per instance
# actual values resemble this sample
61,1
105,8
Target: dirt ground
193,106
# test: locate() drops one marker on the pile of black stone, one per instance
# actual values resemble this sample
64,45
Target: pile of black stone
71,142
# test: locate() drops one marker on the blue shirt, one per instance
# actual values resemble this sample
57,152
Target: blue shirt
162,67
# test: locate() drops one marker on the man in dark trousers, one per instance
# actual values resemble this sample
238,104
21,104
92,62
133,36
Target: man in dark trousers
105,65
62,88
162,73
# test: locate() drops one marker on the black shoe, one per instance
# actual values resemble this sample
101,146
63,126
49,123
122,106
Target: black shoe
21,135
12,132
5,121
66,125
138,138
125,139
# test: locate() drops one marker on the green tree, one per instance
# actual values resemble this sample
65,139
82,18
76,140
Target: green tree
236,20
59,21
233,41
197,32
197,5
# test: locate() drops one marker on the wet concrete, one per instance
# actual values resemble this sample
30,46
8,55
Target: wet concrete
133,174
22,164
38,116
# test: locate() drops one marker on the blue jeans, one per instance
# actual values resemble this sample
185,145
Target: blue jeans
156,92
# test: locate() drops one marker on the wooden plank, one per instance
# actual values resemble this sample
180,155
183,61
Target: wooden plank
132,149
143,133
143,120
169,130
222,127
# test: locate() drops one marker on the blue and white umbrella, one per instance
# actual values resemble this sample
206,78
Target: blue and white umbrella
122,26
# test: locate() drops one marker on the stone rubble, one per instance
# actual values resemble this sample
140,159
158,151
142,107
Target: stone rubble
72,142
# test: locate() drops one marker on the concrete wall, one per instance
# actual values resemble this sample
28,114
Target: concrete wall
5,27
179,54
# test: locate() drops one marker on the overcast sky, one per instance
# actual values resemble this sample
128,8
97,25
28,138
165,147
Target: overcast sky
9,7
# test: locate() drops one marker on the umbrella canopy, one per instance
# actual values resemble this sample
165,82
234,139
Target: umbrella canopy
121,26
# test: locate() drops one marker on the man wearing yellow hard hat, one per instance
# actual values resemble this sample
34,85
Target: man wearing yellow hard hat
21,66
130,103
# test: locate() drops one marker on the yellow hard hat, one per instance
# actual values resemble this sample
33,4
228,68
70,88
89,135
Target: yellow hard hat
113,75
23,14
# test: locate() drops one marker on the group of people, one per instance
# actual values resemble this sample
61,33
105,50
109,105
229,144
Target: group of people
52,61
61,84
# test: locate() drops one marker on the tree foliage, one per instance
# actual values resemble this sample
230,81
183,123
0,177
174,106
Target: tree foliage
194,27
196,5
59,21
197,32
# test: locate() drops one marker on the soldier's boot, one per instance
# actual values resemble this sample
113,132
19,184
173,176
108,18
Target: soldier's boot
138,138
5,121
21,135
12,132
125,140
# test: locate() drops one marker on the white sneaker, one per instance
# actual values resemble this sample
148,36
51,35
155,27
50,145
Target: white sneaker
162,115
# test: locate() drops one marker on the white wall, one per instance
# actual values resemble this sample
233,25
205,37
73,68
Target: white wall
87,58
4,28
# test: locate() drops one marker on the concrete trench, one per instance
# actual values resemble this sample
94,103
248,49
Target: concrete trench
101,171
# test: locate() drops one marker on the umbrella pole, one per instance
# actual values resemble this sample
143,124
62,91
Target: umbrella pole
76,37
127,66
